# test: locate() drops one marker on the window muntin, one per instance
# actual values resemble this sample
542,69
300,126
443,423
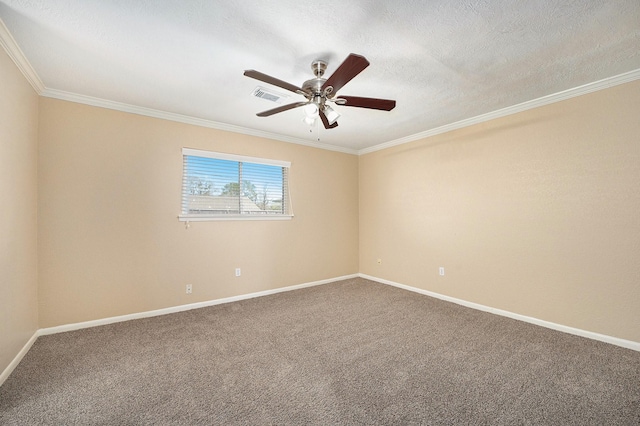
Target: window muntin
226,186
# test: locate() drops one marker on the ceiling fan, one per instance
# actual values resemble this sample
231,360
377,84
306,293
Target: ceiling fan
321,91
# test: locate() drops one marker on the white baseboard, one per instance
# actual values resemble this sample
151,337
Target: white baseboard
104,321
629,344
13,364
180,308
87,324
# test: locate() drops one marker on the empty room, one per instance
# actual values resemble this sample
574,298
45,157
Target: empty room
327,213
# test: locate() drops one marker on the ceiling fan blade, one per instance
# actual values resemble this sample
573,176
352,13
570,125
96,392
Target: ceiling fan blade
352,66
325,121
272,80
372,103
280,109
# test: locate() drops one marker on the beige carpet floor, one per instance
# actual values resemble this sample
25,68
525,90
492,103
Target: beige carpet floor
349,352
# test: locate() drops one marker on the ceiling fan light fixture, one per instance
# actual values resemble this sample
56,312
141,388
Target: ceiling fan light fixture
310,110
309,120
332,115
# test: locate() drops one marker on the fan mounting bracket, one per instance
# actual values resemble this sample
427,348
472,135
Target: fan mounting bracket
318,67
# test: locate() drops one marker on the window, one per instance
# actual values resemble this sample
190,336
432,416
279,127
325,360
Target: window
225,186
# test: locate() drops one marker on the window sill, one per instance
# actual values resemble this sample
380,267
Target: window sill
207,218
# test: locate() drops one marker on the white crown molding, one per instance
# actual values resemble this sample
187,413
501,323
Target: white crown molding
11,47
15,53
535,103
524,106
150,112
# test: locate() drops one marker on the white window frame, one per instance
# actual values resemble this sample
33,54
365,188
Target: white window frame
185,217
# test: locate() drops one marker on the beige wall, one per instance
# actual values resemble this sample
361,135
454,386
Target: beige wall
537,213
18,206
110,242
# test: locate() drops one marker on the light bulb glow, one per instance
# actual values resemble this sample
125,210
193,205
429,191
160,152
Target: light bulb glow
310,110
332,115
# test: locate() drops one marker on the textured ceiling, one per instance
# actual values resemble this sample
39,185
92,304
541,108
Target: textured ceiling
443,61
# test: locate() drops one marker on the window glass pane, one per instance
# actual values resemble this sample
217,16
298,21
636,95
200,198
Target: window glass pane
263,185
214,186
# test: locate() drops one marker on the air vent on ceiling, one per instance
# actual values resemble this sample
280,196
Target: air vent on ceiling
269,95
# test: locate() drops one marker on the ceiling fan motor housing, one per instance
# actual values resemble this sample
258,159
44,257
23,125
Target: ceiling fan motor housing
313,87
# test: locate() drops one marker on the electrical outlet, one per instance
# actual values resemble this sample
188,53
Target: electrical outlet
189,289
238,272
441,271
